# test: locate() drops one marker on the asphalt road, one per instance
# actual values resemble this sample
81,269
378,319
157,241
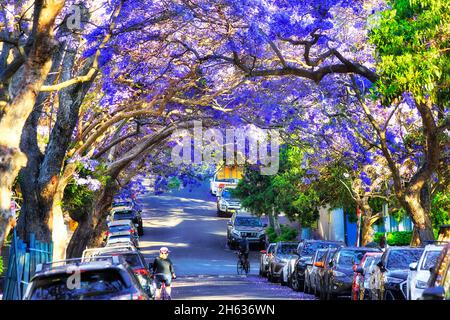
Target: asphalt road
186,222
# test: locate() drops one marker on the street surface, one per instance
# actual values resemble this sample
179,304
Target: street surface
187,223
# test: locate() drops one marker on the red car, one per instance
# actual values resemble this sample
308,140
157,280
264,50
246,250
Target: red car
358,287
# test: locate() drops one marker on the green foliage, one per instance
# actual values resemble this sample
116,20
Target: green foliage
1,265
412,41
174,183
287,234
396,238
440,209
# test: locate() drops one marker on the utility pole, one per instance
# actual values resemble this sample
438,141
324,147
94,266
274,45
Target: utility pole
358,229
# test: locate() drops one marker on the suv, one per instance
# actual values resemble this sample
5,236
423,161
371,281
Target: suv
243,224
134,259
283,252
392,271
128,214
109,278
306,251
420,272
439,282
226,203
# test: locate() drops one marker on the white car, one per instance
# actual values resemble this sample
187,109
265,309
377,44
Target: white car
419,272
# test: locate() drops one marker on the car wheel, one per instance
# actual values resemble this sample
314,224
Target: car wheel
294,280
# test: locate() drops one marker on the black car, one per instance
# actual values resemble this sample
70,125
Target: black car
132,215
281,255
338,276
306,251
394,265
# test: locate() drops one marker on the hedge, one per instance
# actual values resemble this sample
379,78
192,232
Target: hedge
287,234
396,238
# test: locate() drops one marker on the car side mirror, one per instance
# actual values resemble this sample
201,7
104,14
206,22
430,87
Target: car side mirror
381,266
360,270
434,293
330,263
413,266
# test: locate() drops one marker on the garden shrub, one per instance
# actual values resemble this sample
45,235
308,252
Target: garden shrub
287,234
396,238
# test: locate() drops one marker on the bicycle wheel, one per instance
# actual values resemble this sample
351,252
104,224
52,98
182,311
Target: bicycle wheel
240,268
247,267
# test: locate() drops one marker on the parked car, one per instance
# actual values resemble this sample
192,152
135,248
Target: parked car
306,251
339,273
282,253
123,228
311,271
134,259
123,239
439,282
110,279
128,214
389,278
264,259
227,203
244,224
362,274
419,272
322,270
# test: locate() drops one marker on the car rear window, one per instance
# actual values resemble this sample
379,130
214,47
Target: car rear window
92,284
287,248
400,259
113,229
124,215
122,204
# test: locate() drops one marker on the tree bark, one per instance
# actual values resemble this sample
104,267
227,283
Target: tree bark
16,112
91,227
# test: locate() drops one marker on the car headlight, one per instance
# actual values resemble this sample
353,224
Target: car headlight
339,274
393,280
236,233
223,203
421,284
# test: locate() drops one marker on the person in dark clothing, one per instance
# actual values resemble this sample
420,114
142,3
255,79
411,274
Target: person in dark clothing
244,249
163,271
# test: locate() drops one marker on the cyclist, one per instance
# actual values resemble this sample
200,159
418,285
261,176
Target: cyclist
163,271
244,249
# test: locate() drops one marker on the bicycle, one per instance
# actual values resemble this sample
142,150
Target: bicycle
243,265
164,295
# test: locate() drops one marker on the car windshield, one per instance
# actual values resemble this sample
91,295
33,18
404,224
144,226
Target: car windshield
348,257
429,260
92,284
122,204
124,237
400,259
248,222
368,261
226,194
124,215
309,248
288,248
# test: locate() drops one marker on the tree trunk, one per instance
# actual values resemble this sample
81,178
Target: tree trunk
273,222
16,112
367,221
91,227
423,228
